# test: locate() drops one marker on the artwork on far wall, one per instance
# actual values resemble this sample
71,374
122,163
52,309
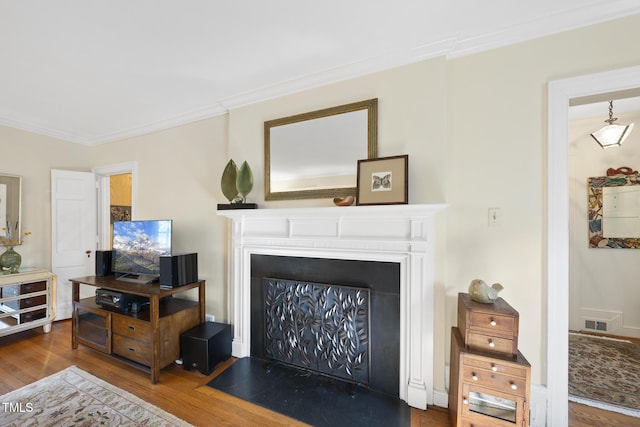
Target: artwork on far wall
120,213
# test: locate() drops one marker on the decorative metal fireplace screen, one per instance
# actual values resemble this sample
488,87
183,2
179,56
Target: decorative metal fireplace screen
319,327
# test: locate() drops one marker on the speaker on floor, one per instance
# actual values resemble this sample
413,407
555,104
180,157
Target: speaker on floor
178,270
103,263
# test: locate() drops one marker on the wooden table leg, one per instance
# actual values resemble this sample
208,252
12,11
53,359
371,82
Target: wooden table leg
201,300
75,297
154,306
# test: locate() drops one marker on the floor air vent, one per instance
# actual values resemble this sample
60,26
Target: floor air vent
595,325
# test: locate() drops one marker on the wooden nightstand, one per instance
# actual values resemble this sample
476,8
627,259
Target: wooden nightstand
490,379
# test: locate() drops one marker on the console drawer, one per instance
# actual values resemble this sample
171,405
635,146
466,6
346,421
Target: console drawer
132,328
33,301
27,288
138,351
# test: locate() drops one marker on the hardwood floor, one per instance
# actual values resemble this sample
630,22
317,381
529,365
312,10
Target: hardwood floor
31,355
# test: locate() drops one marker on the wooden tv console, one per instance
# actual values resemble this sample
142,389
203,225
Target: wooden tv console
148,339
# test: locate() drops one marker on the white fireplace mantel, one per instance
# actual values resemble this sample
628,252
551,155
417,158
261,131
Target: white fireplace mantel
395,233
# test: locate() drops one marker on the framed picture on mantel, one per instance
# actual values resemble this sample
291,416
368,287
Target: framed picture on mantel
383,181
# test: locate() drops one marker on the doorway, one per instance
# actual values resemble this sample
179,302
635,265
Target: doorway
560,93
117,193
79,214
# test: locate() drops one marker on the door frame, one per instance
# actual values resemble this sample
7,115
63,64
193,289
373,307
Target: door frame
560,92
103,174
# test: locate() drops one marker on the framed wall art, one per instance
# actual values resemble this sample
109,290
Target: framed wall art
383,181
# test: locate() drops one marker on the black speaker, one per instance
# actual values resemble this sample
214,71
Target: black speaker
204,346
177,270
103,263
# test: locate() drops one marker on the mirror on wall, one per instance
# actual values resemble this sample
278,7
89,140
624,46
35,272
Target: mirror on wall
10,209
315,154
614,211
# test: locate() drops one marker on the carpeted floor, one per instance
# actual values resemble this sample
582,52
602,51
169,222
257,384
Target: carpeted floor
310,398
605,371
73,397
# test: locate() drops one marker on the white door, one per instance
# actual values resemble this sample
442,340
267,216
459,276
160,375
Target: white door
73,233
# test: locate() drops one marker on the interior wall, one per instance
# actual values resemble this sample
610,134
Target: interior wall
601,279
497,121
33,156
179,173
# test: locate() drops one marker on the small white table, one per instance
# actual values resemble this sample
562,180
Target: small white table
27,300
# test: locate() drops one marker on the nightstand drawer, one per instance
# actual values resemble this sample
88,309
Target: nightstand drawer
491,343
132,328
493,324
495,365
138,351
495,381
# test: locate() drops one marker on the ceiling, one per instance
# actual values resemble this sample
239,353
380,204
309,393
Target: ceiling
91,71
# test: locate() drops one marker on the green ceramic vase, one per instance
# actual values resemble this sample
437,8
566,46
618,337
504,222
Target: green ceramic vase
10,261
228,181
244,180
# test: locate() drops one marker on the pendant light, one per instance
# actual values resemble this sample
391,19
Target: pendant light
612,135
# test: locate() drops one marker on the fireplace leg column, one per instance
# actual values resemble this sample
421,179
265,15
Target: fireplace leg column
420,331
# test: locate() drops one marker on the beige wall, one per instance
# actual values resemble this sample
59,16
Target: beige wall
497,157
32,157
179,174
474,129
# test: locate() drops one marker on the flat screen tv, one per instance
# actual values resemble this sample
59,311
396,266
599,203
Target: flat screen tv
137,247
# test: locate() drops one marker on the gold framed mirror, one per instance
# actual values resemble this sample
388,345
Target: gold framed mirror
10,210
315,155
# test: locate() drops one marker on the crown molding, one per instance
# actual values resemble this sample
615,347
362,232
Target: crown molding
568,20
180,120
41,130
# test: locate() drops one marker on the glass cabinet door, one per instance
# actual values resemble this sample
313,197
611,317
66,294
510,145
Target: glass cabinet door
93,328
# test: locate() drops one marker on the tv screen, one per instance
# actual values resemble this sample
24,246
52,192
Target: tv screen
138,245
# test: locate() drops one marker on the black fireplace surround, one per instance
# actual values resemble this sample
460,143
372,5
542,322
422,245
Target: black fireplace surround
382,279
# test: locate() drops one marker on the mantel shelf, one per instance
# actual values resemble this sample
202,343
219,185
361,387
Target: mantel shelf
405,211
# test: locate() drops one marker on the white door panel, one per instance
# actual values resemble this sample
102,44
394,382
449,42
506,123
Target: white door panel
73,229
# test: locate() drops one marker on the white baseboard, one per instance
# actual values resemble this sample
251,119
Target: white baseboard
538,406
441,398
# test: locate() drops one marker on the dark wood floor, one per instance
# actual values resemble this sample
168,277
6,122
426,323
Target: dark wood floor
31,355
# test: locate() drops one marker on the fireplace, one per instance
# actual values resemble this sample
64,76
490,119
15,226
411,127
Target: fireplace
399,236
381,283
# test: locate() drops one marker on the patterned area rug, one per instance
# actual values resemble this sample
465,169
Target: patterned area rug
74,397
604,371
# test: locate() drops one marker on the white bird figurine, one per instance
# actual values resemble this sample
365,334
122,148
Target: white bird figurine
479,291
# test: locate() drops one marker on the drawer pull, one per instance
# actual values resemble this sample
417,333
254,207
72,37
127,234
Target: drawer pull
132,349
493,322
474,376
513,386
132,328
494,368
491,344
465,401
